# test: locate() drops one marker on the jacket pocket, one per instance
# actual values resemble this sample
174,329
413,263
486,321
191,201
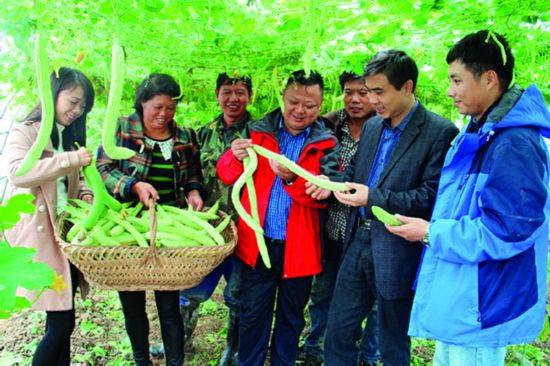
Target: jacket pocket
507,288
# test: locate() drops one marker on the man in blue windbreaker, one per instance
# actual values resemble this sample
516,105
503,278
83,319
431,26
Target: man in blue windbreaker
482,282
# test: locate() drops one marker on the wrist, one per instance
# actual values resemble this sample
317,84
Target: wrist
193,192
133,187
426,239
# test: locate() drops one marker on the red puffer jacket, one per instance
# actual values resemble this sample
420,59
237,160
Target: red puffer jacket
319,155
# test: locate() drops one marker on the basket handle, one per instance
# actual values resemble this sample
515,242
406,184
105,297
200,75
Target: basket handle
152,252
152,224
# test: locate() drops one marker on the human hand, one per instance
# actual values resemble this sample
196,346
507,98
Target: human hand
358,195
84,156
413,228
195,200
239,146
281,171
145,191
317,192
88,198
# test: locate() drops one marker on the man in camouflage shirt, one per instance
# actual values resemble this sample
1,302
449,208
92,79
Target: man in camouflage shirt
233,95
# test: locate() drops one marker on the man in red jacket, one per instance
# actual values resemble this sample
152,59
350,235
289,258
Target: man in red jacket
289,214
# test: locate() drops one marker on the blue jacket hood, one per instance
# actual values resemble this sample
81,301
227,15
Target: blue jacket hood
520,108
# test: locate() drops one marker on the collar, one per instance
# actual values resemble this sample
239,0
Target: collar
475,126
401,126
60,127
282,128
237,126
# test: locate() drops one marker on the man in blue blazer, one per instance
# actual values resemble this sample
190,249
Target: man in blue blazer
397,167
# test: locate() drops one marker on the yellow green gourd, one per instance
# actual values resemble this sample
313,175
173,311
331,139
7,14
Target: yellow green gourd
48,109
108,134
385,217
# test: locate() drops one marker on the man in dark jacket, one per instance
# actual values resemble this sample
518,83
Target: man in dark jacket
397,167
289,214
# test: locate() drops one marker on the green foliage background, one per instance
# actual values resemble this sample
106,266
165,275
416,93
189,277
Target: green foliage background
194,40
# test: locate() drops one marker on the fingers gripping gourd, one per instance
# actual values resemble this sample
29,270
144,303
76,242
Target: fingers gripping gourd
108,134
45,92
298,170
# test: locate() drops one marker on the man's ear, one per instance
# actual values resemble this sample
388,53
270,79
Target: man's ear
492,79
408,86
217,93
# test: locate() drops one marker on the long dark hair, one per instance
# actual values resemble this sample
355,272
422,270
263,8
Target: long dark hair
68,78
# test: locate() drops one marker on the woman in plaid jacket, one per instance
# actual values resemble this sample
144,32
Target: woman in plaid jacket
165,168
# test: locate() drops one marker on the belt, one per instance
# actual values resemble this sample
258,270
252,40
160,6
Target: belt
363,223
274,241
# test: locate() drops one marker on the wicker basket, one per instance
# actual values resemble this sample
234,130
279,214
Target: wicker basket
129,268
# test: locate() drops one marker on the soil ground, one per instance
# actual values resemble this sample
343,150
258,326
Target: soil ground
100,338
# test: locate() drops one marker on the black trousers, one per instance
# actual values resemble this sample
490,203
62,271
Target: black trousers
264,290
55,347
137,325
354,295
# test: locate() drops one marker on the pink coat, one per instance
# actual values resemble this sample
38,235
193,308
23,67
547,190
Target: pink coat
37,230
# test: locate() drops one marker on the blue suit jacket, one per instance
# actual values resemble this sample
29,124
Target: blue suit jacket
407,185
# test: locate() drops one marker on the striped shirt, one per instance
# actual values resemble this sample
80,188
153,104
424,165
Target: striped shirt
278,208
161,176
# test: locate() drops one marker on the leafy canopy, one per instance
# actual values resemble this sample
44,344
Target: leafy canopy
194,40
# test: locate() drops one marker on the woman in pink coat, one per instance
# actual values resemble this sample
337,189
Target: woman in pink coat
53,180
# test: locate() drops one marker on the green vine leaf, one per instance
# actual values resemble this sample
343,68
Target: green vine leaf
17,265
17,269
10,213
22,203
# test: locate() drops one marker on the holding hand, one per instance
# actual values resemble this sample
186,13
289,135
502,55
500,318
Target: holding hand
413,228
145,191
239,146
281,171
358,195
88,198
195,200
317,192
84,156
